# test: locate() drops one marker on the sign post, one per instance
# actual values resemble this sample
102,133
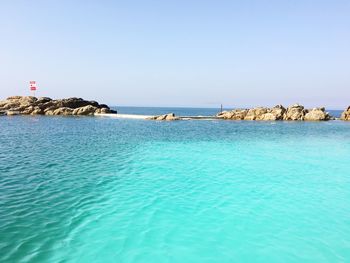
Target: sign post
32,86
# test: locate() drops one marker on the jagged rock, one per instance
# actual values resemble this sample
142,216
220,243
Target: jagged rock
72,103
317,114
165,117
103,111
103,106
44,105
98,111
47,109
295,112
49,112
171,117
9,104
278,111
3,103
11,113
75,103
27,110
345,116
86,110
237,114
37,111
259,113
268,117
272,114
255,114
63,111
222,114
23,101
42,100
15,97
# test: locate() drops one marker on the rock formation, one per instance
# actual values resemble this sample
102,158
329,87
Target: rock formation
275,113
27,105
233,115
255,113
295,112
165,117
345,116
317,114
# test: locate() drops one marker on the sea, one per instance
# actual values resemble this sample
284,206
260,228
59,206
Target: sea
100,189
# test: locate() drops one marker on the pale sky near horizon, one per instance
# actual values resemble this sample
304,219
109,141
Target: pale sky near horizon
179,53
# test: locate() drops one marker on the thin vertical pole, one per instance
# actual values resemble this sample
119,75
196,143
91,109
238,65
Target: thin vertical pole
221,108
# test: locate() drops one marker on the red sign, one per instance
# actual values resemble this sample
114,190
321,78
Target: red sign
32,85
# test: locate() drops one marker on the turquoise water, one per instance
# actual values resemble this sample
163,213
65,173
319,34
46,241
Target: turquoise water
84,189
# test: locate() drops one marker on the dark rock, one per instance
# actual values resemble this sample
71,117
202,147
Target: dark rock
103,106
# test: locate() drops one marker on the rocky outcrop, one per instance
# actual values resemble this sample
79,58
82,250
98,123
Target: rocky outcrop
345,116
233,115
62,111
295,112
27,105
317,114
165,117
275,113
86,110
103,110
260,113
255,113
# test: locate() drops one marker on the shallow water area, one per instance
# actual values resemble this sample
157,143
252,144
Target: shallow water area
85,189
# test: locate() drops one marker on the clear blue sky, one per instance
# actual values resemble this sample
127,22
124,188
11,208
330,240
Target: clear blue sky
179,53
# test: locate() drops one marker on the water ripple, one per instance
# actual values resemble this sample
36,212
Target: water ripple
102,190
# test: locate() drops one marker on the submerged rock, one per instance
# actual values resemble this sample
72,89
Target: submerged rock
26,105
165,117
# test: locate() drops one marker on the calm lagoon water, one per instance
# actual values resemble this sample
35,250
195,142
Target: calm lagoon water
85,189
